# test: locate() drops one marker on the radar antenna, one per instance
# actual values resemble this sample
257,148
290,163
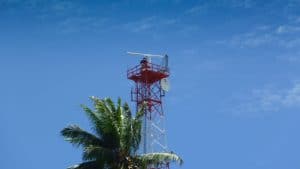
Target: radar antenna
149,56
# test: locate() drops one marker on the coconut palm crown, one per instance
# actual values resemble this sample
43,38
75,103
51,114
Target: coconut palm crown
115,139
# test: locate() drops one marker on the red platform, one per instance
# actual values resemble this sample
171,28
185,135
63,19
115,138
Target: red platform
147,73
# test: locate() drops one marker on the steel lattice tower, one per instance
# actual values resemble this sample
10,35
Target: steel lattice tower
148,91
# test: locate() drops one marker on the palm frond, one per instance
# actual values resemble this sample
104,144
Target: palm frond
98,153
78,136
117,138
87,165
159,158
110,104
105,122
136,129
96,115
116,114
94,118
141,111
136,134
126,129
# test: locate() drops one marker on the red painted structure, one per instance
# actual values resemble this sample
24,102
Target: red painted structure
148,90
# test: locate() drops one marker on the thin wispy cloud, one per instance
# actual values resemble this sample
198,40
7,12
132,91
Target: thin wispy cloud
207,6
82,24
149,24
62,16
159,27
169,1
141,25
291,57
49,8
284,29
260,102
285,36
251,39
71,16
292,96
197,9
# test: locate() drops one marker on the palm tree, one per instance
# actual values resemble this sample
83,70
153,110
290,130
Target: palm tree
115,140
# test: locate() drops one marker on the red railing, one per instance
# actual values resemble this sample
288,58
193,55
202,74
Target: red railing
148,67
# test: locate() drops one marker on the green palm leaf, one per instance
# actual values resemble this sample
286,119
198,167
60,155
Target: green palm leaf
94,118
159,158
136,130
126,129
98,153
117,138
87,165
104,121
78,136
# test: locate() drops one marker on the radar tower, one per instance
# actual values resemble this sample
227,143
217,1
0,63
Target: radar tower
151,84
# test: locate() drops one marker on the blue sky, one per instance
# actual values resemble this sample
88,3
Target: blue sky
235,87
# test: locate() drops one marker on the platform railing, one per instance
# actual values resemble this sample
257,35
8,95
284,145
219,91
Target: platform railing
150,67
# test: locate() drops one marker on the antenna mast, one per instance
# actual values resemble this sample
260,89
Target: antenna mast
150,85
